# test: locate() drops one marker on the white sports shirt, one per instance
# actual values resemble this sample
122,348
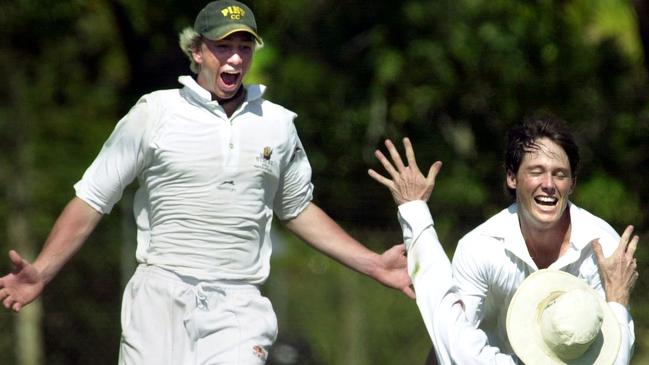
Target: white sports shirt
491,261
208,184
455,338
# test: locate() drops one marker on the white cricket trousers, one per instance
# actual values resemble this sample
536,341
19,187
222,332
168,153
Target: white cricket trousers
169,319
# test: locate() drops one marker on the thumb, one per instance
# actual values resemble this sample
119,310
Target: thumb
408,291
434,170
16,259
597,250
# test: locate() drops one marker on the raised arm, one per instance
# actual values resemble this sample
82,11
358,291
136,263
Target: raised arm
454,338
619,275
26,281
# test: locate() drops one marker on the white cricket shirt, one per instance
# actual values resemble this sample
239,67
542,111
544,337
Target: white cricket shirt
491,261
208,184
454,335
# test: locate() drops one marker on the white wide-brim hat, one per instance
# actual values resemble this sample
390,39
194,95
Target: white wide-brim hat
555,318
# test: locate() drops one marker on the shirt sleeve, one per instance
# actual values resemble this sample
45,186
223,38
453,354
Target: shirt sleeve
625,323
295,190
455,339
471,278
609,243
118,161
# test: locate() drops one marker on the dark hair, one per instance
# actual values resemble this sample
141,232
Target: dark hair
522,139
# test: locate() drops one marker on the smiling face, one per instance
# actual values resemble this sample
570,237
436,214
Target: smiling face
543,184
224,63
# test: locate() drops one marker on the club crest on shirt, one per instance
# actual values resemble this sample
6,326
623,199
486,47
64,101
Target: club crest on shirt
263,160
267,153
260,352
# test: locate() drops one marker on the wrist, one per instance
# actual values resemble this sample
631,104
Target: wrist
621,299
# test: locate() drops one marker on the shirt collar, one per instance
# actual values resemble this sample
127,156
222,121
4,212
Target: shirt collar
504,226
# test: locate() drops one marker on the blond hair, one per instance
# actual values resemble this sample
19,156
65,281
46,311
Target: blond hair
189,41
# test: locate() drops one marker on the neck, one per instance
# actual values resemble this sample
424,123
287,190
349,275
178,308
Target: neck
546,245
231,104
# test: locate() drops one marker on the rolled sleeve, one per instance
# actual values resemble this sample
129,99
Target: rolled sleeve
295,190
117,163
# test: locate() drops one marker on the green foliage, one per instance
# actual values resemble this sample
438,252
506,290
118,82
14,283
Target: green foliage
607,198
452,75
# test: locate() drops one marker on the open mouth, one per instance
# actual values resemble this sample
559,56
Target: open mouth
546,200
230,78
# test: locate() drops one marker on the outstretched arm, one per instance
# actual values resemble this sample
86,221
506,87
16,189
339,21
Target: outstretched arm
454,338
619,275
26,282
317,229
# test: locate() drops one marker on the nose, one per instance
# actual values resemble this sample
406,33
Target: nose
547,183
235,58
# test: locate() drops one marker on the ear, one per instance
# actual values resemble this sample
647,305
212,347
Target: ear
572,186
511,179
197,55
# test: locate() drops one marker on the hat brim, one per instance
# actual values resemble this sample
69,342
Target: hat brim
218,33
523,329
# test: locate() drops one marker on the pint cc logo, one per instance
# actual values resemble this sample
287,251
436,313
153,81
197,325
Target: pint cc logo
233,12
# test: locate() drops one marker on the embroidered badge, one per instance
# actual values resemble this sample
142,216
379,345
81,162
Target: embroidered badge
267,153
264,161
260,352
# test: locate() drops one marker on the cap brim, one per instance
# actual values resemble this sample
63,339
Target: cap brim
523,329
218,33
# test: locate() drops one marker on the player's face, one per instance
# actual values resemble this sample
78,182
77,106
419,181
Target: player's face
543,183
224,63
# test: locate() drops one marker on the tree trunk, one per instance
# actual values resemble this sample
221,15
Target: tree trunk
27,324
28,339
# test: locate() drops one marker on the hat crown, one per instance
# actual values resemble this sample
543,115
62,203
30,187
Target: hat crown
570,323
221,18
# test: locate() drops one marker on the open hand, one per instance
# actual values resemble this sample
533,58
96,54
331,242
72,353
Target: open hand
393,270
407,183
618,271
22,285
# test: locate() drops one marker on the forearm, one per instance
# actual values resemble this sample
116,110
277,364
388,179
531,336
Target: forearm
68,234
321,232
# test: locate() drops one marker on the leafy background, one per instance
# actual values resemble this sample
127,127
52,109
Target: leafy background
452,75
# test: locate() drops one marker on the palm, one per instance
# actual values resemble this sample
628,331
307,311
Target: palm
21,286
407,183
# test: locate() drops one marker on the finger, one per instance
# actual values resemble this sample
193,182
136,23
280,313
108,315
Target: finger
597,250
16,307
394,154
410,154
624,240
387,165
633,245
3,294
401,247
432,172
380,178
7,302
